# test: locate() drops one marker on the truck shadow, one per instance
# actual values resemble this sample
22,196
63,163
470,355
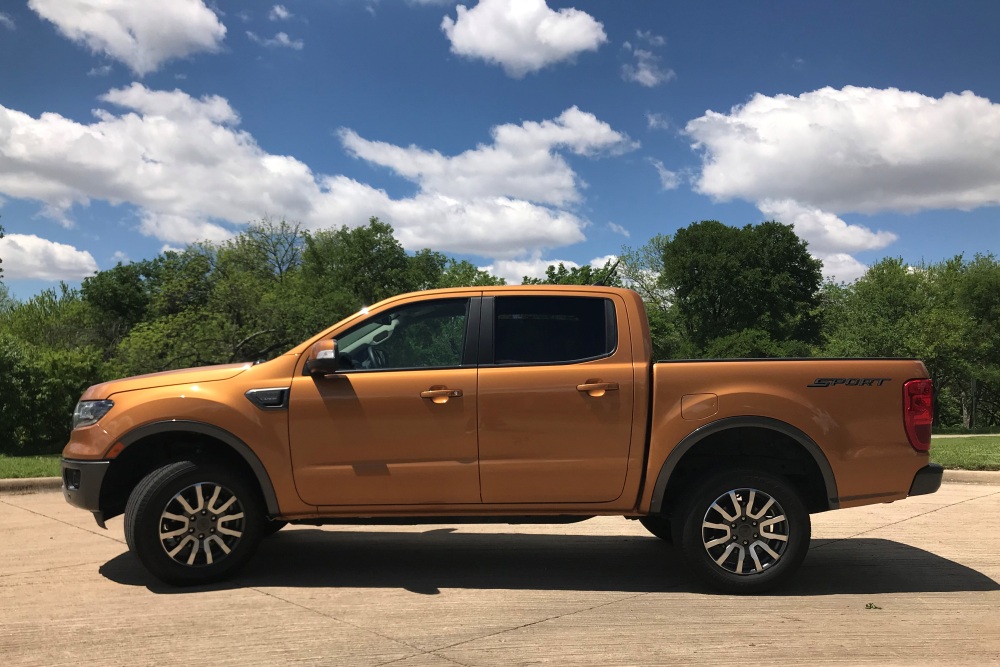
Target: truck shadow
426,562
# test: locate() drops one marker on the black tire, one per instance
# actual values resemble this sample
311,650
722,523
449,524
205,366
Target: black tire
183,547
768,543
658,525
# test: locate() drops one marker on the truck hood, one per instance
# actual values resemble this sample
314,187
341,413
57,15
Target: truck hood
166,378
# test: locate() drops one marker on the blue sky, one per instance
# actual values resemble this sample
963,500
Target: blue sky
513,133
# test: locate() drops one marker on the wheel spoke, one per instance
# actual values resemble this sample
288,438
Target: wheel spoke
173,533
774,536
176,550
725,515
175,517
763,510
739,563
225,506
184,503
770,522
215,497
713,543
725,554
756,558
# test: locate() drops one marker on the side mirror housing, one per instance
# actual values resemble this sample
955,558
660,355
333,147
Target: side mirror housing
322,359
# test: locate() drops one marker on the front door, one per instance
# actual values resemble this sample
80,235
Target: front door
397,426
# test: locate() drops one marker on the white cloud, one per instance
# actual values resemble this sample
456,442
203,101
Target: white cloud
618,229
657,121
600,262
521,162
854,150
279,13
27,256
669,180
825,232
6,21
193,174
143,35
515,270
650,38
281,40
103,70
522,36
646,71
841,267
120,256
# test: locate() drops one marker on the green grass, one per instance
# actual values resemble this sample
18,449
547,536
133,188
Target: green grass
974,453
18,467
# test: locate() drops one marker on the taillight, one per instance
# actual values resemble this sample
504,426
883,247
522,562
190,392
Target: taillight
918,413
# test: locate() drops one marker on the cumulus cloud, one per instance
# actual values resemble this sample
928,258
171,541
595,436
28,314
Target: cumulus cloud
143,35
193,174
825,232
522,36
646,70
280,40
279,13
669,180
515,270
808,159
856,149
28,256
522,162
618,229
657,121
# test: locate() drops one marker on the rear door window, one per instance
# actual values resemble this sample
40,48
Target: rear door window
552,329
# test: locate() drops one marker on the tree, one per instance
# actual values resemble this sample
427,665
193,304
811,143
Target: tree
466,274
743,291
640,269
1,259
577,275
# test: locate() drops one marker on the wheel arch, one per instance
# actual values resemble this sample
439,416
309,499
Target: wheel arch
789,442
156,444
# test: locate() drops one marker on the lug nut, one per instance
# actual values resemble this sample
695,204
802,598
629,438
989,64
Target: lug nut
745,542
201,536
755,535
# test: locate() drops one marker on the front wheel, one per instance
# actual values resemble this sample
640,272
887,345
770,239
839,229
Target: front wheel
744,531
193,524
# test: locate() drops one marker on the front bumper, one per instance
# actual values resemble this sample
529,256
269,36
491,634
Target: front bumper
82,484
927,480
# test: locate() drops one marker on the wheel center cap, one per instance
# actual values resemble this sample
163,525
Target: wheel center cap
745,531
202,524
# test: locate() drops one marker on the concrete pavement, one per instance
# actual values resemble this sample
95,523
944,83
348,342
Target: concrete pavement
914,582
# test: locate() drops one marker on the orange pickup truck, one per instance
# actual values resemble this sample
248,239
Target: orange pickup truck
507,404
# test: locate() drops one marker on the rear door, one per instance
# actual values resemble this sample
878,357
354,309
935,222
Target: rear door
555,398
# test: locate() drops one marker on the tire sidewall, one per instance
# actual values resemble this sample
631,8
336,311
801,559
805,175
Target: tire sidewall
698,558
151,497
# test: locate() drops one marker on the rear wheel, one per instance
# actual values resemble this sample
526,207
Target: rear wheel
193,524
744,531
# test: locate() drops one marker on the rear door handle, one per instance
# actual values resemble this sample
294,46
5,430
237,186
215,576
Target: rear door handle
596,388
440,394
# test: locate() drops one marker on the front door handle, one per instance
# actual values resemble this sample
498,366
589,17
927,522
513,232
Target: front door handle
596,388
440,394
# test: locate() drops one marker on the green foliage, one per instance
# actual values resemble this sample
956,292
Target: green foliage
577,275
752,289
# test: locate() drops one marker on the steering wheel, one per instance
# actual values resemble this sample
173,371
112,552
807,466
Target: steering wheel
376,357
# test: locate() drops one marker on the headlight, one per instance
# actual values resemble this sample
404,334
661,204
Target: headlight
88,412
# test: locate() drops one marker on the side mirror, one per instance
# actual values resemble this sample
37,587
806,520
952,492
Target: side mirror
322,359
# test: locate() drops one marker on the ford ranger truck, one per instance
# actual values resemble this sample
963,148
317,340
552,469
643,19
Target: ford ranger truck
499,404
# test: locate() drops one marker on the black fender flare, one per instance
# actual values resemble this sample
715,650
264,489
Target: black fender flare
182,426
699,434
